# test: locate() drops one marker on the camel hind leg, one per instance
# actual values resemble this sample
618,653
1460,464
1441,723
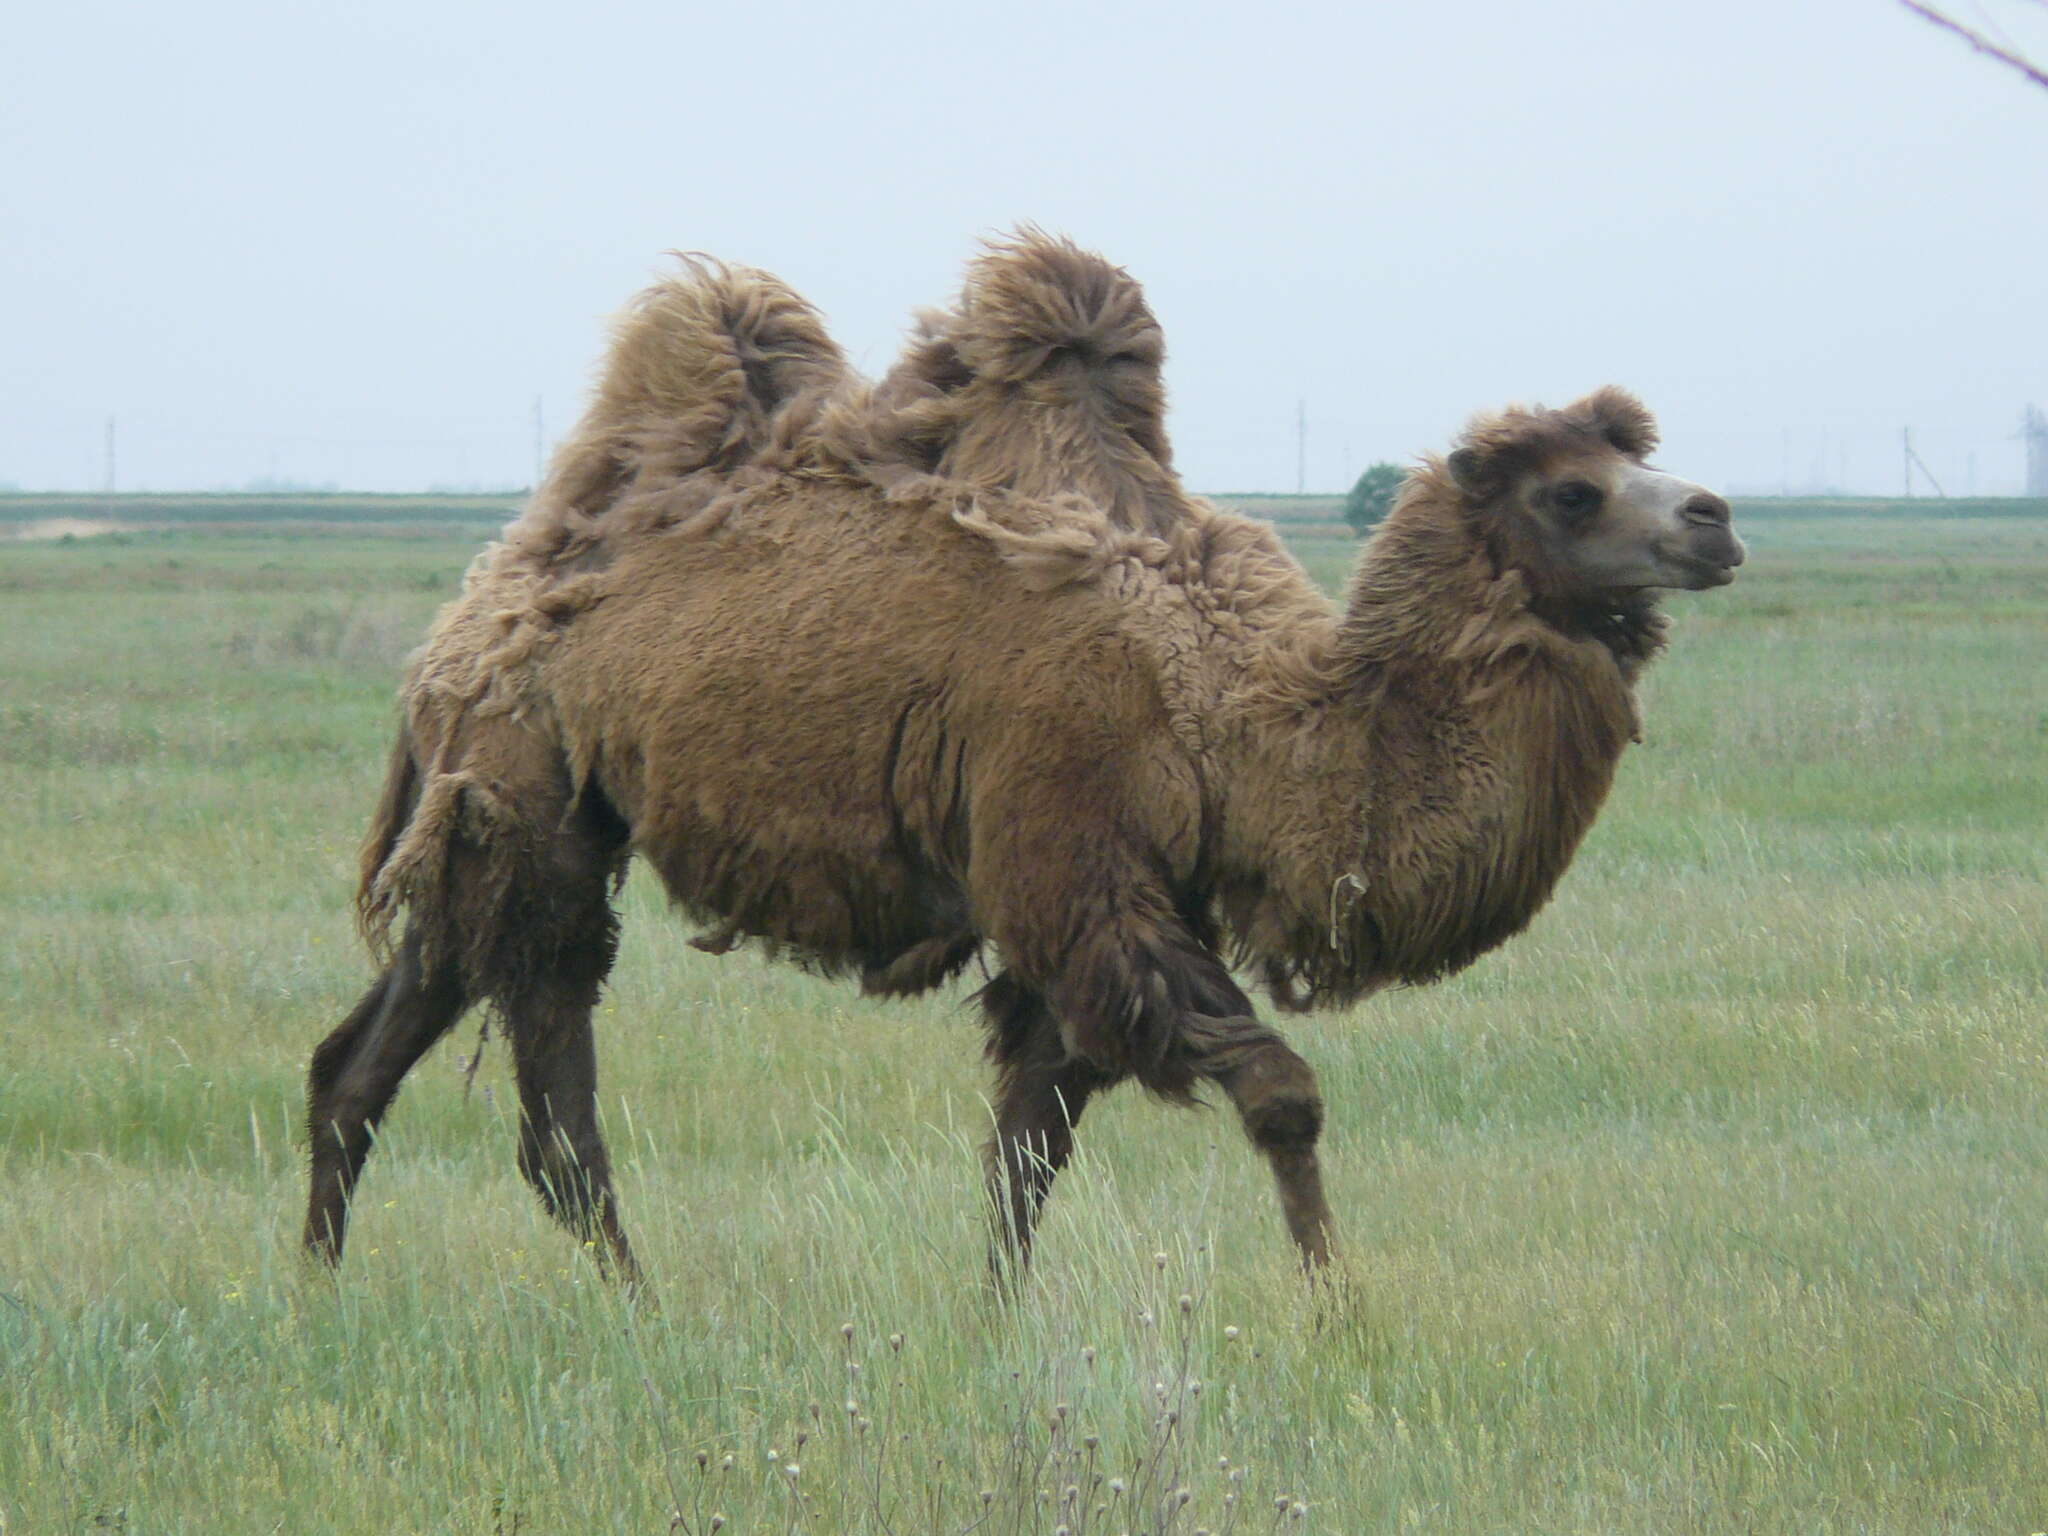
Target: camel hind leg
542,963
507,875
355,1075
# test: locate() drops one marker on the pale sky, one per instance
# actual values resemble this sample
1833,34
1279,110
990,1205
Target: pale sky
352,243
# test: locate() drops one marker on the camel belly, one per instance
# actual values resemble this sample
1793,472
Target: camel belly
771,800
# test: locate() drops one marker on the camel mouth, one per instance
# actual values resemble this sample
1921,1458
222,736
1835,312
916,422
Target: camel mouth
1715,575
1717,548
1691,572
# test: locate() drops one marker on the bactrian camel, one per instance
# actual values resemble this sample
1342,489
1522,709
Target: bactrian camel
889,677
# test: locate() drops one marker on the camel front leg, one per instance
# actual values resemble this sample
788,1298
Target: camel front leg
1274,1093
1040,1093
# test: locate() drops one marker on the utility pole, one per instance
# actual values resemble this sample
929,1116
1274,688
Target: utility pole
1300,446
1912,459
2035,429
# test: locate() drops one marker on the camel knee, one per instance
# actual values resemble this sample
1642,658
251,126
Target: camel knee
1288,1122
341,1115
331,1058
1276,1097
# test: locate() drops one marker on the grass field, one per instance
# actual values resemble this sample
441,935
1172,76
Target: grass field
1717,1203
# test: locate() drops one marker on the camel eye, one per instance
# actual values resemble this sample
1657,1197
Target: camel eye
1577,500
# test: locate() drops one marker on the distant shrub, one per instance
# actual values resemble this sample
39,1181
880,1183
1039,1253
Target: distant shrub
1372,498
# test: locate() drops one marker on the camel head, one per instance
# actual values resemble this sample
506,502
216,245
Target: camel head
1566,497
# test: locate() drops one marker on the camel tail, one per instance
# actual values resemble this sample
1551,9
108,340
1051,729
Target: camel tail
420,820
702,368
377,896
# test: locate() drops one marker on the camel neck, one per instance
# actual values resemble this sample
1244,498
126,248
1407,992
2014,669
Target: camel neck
1422,588
1418,807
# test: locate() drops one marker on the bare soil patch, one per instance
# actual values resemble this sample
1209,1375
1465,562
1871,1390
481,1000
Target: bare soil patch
67,528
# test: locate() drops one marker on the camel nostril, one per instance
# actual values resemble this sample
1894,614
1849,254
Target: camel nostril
1706,507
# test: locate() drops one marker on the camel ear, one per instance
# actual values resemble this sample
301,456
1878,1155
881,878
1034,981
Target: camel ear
1619,417
1470,471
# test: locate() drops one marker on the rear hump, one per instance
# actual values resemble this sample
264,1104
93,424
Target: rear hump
703,369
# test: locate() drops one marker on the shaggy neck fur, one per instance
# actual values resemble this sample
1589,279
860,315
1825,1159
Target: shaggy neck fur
1431,763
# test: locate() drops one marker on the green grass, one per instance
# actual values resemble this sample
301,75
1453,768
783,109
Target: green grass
1718,1202
256,509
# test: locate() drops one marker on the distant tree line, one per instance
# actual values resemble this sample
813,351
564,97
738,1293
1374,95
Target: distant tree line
1372,498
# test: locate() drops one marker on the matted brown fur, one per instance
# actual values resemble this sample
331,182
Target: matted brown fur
1042,380
885,679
